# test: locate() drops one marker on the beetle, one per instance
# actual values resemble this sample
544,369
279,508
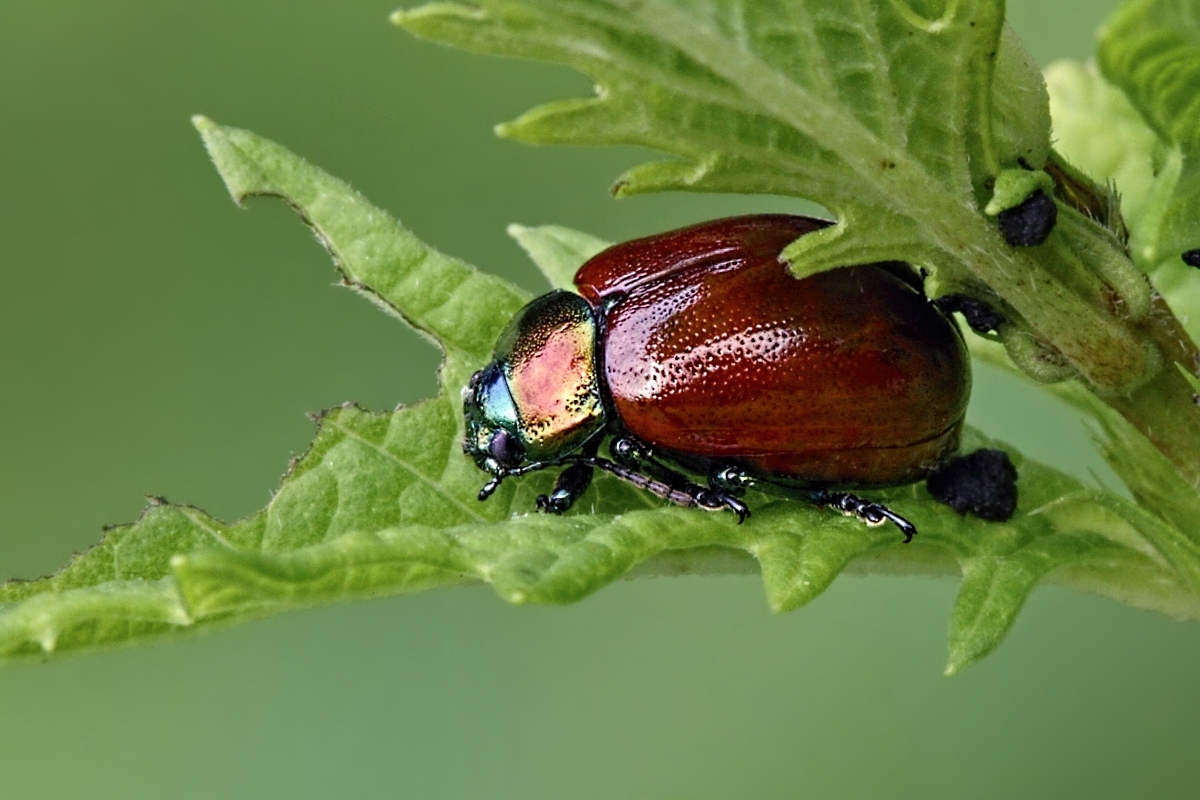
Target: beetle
697,351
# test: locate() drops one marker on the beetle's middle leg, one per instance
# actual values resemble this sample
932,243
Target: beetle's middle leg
634,463
871,513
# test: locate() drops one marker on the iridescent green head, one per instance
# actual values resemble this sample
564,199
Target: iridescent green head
540,398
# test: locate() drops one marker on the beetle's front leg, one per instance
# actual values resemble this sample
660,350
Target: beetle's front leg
571,483
871,513
569,486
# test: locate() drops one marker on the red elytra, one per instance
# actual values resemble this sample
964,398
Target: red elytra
712,350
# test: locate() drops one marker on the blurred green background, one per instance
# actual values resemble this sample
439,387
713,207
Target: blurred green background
156,340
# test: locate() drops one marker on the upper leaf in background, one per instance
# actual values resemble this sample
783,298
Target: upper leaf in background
1151,50
1098,130
861,107
1136,127
885,112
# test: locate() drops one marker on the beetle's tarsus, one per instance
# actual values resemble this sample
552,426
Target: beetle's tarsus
490,487
869,512
551,505
570,484
728,484
634,462
907,528
715,500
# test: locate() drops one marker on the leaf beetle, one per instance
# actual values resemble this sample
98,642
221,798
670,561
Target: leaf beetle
696,351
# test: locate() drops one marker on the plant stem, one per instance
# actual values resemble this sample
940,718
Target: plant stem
1163,409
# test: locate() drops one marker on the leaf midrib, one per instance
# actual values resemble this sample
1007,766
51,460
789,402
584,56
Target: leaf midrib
848,139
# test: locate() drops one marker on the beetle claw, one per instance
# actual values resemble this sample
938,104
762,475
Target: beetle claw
545,504
873,514
737,507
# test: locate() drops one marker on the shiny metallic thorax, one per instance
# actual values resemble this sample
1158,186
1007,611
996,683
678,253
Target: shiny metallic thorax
542,390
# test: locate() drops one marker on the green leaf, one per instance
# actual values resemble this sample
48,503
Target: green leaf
827,58
1151,51
557,251
384,503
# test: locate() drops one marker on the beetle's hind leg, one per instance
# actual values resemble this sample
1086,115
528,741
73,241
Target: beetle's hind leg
733,481
871,513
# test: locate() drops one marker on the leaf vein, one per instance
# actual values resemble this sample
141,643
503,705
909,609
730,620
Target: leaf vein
418,474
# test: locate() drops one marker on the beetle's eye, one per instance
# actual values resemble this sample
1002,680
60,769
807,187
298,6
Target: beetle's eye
506,449
471,384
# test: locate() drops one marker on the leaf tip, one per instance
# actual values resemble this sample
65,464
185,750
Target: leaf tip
410,18
964,654
203,123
